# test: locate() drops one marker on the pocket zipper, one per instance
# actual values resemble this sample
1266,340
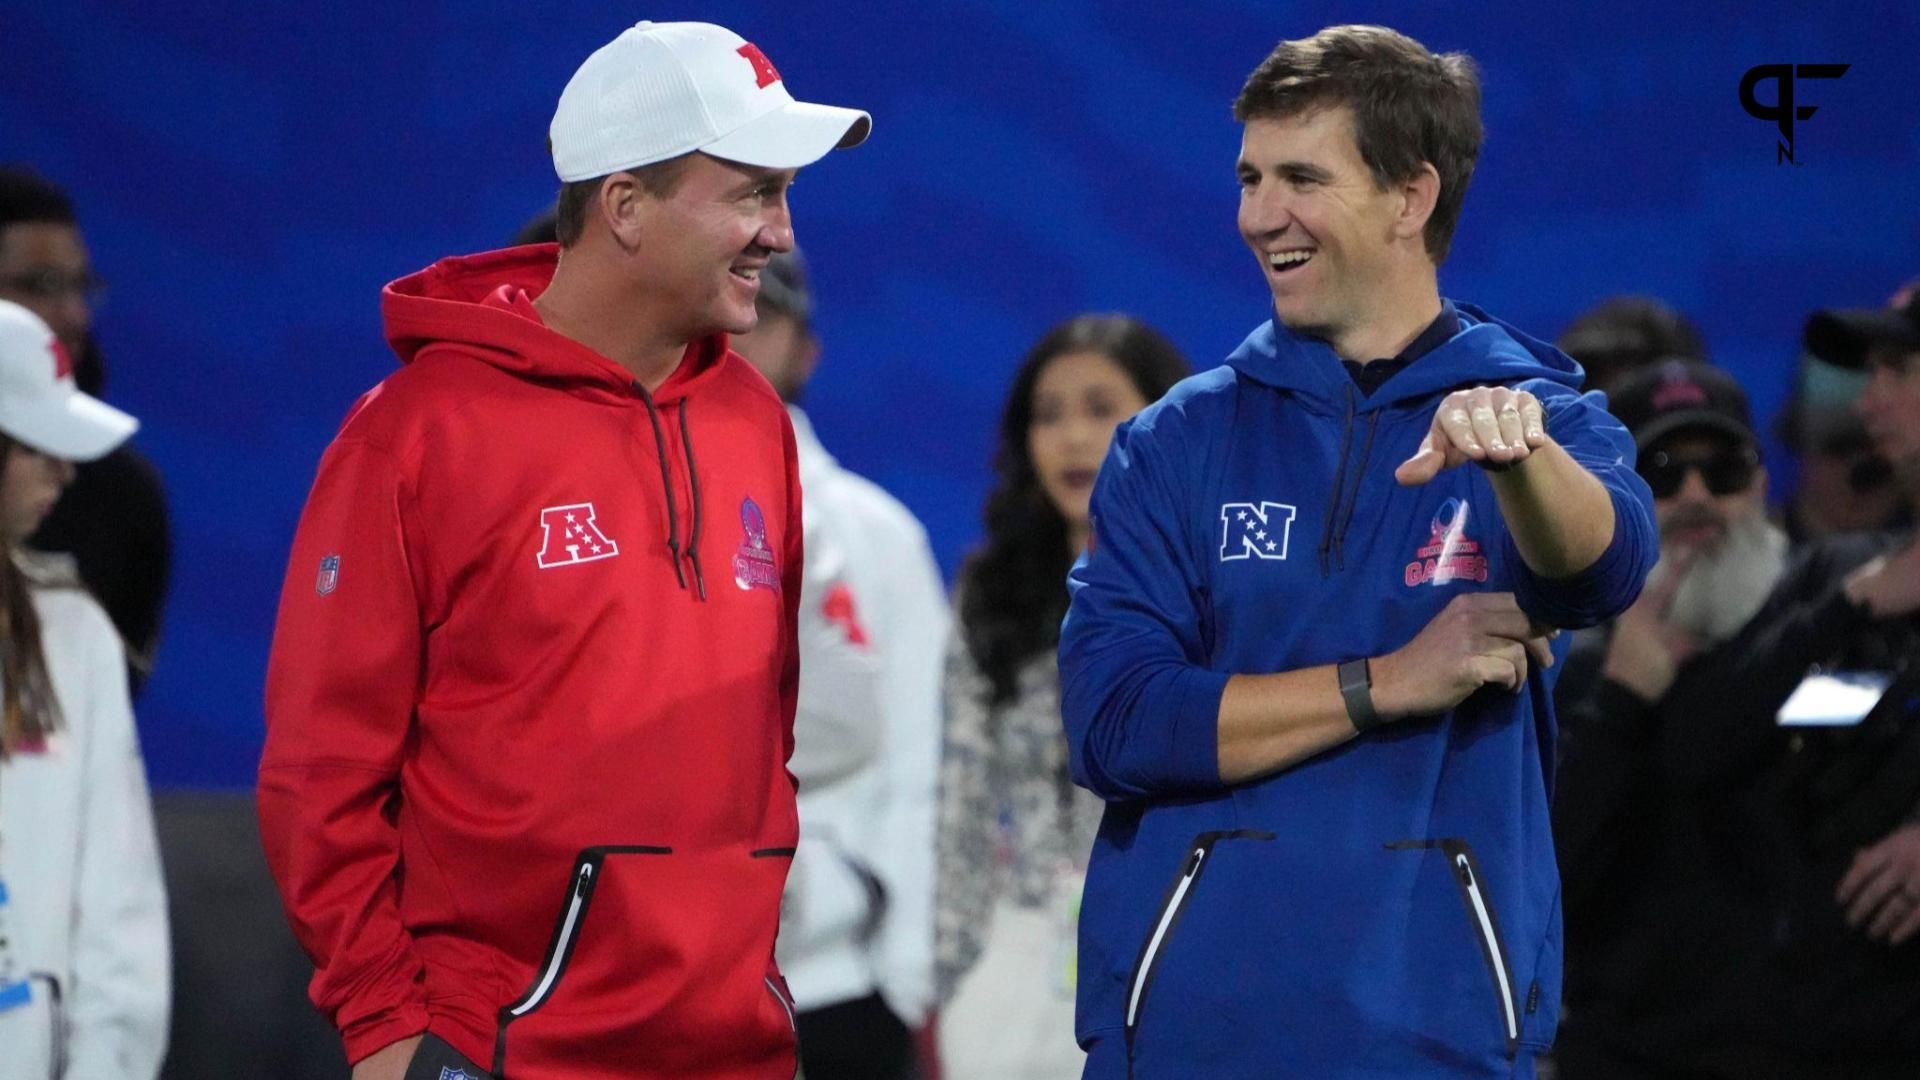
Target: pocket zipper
582,885
1167,915
1489,939
785,1005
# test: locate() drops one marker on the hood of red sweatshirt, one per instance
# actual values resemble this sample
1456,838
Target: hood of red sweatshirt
482,305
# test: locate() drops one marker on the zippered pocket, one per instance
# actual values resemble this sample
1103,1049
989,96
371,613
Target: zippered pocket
566,935
786,1005
1465,871
1179,897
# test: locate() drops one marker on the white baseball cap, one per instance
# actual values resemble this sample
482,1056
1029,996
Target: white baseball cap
661,90
39,405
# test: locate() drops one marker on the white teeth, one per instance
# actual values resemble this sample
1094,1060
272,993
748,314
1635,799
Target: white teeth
1288,258
750,275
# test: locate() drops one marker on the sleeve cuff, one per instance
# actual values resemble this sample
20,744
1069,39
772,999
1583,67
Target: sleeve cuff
372,1034
1193,758
1597,593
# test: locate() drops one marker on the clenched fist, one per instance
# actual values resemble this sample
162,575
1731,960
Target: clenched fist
1492,425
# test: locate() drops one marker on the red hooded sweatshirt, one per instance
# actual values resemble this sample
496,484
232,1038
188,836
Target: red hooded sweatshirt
531,699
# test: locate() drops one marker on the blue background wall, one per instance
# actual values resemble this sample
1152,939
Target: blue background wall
250,174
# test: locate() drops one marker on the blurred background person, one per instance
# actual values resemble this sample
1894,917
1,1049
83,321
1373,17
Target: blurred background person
1844,484
1742,897
1014,831
1719,553
542,228
1624,334
113,519
83,916
856,934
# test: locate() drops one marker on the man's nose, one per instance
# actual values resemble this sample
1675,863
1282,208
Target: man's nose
1268,210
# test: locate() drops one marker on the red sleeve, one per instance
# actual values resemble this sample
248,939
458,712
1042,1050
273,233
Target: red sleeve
792,574
341,686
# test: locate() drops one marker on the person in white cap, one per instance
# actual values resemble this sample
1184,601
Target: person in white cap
532,688
84,962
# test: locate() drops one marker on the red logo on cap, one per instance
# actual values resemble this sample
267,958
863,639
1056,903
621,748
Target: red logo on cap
763,71
1678,392
62,363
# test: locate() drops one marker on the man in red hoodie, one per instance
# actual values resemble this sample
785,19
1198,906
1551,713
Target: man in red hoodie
532,687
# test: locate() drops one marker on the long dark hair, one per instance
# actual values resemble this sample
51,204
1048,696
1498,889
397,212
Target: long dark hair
28,711
1013,588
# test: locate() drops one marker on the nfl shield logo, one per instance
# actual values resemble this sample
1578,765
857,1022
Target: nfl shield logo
329,575
457,1074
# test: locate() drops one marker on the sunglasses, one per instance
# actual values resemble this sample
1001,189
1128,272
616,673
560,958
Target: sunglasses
1725,472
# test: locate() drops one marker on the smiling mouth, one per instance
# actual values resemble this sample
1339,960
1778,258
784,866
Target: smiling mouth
1286,262
748,274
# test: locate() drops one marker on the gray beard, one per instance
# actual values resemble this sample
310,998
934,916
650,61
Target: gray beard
1727,586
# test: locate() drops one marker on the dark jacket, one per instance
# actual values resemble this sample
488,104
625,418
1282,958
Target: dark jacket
113,520
1703,936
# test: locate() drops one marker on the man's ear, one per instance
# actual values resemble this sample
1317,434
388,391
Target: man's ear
1419,194
622,207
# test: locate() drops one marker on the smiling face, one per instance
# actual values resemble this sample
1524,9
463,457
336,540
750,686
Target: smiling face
1079,398
1328,238
704,243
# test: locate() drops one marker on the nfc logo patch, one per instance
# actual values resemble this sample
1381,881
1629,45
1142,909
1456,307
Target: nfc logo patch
1255,530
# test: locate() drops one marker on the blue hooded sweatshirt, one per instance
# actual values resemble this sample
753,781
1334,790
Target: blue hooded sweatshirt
1389,908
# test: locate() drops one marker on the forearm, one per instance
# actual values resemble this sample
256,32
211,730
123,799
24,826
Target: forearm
1271,722
1560,515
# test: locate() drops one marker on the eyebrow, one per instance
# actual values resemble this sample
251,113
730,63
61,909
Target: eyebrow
755,175
1304,169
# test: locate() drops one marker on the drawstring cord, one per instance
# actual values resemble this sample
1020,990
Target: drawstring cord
693,478
1366,458
1339,485
666,480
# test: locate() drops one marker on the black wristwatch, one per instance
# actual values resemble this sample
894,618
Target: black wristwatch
1356,688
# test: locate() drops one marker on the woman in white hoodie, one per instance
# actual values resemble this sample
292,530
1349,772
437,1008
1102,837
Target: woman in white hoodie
84,970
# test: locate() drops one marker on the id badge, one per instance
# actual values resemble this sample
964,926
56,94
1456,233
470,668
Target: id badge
15,996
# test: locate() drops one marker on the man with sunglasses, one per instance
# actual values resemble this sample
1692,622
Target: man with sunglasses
113,519
1742,897
1720,556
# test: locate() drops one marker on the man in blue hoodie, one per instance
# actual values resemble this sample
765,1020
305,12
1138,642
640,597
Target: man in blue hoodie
1306,657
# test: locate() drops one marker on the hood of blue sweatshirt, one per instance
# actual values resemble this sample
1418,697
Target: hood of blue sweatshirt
1485,351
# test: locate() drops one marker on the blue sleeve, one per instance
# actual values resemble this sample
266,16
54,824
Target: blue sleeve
1141,709
1591,436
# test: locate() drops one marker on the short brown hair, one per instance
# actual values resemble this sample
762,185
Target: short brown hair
570,211
1409,106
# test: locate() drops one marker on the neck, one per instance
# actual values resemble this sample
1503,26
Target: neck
595,308
1400,312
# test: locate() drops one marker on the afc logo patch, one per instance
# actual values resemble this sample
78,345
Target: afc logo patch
1255,530
1448,555
568,536
764,73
